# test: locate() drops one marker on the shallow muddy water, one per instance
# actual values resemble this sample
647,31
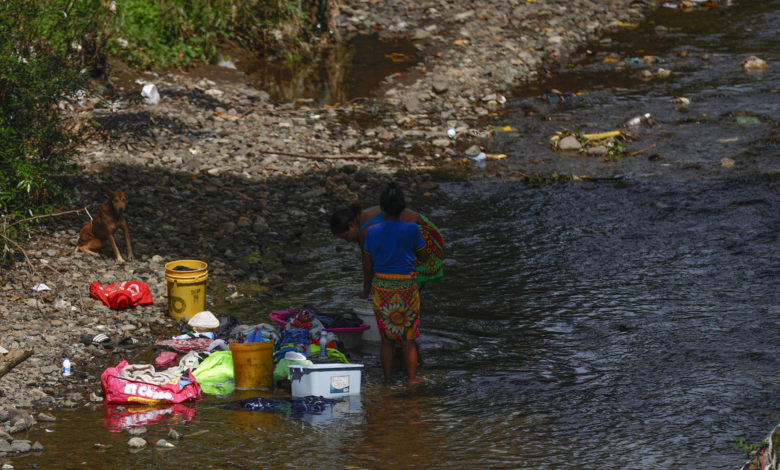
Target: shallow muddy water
622,323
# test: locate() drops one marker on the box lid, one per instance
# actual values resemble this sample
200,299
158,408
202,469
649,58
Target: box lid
326,367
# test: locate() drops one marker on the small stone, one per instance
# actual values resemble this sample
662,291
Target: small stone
174,434
136,443
139,431
37,447
21,446
163,444
440,86
46,418
727,162
597,151
569,143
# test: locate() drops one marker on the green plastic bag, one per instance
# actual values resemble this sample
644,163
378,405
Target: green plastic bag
282,369
216,368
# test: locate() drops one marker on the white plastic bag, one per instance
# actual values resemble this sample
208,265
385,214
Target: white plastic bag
204,321
150,94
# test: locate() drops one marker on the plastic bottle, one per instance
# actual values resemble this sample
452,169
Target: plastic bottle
66,367
323,342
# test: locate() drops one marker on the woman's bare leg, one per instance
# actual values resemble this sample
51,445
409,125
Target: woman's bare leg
410,357
386,357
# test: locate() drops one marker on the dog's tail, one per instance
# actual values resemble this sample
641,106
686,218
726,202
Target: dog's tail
69,251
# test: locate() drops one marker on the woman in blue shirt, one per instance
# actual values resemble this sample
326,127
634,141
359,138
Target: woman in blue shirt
390,251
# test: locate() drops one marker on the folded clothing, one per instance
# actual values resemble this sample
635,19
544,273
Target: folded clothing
184,345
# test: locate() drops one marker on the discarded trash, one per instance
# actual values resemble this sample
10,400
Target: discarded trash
226,63
451,132
150,94
41,287
479,157
748,120
601,135
496,156
754,63
66,367
639,120
682,100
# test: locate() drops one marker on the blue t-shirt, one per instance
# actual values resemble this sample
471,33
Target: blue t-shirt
392,245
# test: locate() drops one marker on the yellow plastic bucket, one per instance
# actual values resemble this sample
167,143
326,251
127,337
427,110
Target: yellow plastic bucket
253,364
186,287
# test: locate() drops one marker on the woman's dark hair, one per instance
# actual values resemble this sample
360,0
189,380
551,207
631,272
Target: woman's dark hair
339,221
391,201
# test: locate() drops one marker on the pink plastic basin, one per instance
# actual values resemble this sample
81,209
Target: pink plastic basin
280,318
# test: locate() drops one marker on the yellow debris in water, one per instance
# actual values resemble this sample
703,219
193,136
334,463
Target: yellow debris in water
506,129
396,57
601,135
461,42
610,59
495,156
623,24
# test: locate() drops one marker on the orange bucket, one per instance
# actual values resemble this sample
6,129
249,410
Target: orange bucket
253,364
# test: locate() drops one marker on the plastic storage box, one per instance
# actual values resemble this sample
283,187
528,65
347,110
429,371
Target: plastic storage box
325,380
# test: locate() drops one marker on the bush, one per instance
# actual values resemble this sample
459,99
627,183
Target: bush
169,33
39,59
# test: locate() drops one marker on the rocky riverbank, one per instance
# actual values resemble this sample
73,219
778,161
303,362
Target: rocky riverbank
218,172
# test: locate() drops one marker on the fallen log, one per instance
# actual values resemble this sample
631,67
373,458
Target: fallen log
14,358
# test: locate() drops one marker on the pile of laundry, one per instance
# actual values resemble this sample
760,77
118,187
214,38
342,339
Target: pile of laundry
200,361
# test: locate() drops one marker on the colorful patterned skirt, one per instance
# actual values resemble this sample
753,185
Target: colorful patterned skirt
432,269
396,305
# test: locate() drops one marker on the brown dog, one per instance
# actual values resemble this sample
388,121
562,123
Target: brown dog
109,218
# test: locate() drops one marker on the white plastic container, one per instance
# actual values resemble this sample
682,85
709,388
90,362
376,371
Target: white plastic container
325,380
364,309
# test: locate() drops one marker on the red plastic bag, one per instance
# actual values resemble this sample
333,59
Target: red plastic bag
122,294
121,391
134,416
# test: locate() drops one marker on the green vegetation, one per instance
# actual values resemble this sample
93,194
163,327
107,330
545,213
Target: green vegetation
613,142
39,63
750,449
49,49
169,33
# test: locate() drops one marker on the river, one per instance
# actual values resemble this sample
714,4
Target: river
626,321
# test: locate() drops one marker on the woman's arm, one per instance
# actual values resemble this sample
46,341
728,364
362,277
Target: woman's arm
368,274
423,253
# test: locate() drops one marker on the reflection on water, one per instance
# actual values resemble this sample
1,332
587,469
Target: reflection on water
353,70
